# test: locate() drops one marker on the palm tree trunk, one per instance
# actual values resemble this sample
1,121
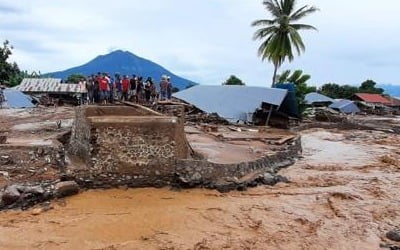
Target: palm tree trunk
275,73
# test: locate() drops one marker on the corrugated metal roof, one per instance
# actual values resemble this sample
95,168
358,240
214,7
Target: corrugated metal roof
372,98
316,97
233,103
345,106
47,85
16,99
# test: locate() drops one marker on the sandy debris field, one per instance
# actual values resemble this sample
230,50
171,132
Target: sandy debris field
343,194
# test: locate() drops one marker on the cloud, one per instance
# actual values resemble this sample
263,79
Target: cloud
4,9
204,40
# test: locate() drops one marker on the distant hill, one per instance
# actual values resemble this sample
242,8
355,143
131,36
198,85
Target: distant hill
393,90
125,63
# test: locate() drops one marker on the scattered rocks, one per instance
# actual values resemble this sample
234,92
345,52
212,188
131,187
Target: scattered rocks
10,195
44,208
66,188
6,160
268,179
3,139
394,235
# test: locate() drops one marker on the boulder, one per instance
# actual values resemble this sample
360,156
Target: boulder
394,235
66,188
10,195
268,179
33,190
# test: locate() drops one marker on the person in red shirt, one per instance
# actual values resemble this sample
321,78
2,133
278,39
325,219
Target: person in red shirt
125,88
103,84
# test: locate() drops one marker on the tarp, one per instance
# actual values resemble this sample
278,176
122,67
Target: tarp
233,103
345,106
16,99
289,105
317,98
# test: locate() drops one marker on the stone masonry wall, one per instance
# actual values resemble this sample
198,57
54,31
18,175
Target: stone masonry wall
204,173
127,150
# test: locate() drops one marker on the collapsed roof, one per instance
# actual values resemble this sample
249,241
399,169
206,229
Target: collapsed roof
233,103
47,85
16,99
317,98
345,106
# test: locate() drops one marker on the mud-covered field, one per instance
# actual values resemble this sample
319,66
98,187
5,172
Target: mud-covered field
343,194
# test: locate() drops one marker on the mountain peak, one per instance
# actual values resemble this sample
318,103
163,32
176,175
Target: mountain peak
125,63
119,52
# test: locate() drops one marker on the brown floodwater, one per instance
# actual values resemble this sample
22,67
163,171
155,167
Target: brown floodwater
341,196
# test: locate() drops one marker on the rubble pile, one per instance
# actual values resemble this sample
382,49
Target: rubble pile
27,195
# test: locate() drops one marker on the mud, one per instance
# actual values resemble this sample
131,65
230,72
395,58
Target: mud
343,194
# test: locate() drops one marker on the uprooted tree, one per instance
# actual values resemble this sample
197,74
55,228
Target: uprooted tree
10,74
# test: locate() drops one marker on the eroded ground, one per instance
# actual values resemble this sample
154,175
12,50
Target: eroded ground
343,195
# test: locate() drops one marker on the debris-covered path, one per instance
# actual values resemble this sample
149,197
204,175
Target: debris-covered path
343,195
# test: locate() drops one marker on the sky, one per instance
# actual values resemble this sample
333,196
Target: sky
205,40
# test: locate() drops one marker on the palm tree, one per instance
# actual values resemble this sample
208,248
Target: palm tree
297,77
281,33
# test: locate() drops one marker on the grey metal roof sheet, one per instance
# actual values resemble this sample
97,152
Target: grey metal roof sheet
345,106
316,97
233,103
17,99
47,85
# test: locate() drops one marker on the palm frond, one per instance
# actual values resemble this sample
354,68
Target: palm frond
265,22
284,76
273,7
297,41
304,78
287,6
303,12
263,32
299,26
295,76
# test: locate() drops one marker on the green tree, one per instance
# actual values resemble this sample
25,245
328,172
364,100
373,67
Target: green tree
233,80
337,91
331,89
280,35
75,78
9,72
369,87
296,78
300,81
347,91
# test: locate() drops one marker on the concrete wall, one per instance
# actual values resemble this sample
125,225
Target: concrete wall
122,145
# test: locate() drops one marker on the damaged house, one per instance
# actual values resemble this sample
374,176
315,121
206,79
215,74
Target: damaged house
241,104
45,90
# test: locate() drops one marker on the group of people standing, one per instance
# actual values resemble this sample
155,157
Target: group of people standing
102,88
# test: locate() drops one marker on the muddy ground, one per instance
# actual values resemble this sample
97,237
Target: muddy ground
343,194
